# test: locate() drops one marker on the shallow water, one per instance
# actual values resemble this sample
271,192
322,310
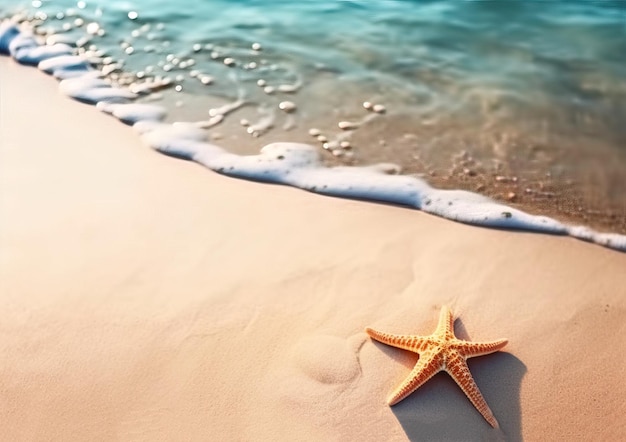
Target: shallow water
523,101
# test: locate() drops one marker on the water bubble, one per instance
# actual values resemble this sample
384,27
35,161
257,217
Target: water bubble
81,4
36,3
93,28
135,33
178,88
60,16
180,78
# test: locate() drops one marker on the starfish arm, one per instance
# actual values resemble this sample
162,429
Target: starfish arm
405,342
471,349
426,367
445,327
458,369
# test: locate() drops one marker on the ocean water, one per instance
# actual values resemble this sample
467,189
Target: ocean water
523,101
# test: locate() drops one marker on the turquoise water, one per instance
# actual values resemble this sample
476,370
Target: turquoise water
521,100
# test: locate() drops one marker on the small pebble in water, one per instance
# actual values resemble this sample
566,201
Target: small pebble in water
60,16
228,61
511,196
81,4
379,109
197,47
133,15
314,132
256,46
338,152
287,106
79,22
322,138
205,79
178,88
167,67
269,90
180,78
368,105
345,145
215,55
194,73
244,122
261,83
140,74
251,65
129,50
331,145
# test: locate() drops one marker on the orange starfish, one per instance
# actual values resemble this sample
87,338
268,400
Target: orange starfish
441,351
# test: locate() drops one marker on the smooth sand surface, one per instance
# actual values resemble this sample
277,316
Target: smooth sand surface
146,298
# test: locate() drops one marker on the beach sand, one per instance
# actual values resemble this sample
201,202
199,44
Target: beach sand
146,298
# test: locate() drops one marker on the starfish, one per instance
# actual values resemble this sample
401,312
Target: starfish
441,351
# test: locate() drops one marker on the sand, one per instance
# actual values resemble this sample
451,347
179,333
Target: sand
146,298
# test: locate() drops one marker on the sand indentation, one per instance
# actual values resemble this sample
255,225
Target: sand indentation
326,359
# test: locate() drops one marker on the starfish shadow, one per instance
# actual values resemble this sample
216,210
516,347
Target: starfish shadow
439,410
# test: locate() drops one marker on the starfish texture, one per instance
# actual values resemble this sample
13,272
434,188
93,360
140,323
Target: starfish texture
441,351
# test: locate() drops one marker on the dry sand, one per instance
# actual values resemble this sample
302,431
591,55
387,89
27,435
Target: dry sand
146,298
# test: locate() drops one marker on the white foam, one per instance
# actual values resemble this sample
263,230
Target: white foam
297,165
132,113
35,55
89,89
8,32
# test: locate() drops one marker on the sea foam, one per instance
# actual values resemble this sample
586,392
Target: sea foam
292,164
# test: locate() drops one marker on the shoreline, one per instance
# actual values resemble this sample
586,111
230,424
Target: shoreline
147,298
537,176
